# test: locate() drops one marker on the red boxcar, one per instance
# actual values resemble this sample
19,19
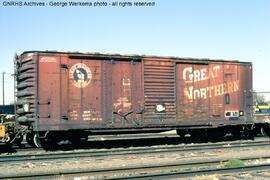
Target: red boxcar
106,93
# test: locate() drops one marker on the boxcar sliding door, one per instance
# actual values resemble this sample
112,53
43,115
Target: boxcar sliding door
192,83
123,93
81,96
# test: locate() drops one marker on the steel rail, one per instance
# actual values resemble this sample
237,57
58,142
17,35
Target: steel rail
182,174
120,152
175,169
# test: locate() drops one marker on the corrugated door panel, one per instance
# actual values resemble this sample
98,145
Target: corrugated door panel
159,92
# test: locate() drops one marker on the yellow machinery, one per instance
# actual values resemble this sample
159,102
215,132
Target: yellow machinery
262,108
7,127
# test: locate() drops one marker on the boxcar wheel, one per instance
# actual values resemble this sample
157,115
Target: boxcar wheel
34,140
262,131
18,140
30,139
37,141
258,130
266,129
44,142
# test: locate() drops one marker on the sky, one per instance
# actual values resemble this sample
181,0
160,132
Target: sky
225,29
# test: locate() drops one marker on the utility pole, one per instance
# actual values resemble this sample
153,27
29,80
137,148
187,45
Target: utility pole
3,82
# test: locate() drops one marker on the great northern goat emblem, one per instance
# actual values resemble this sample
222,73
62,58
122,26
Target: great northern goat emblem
81,75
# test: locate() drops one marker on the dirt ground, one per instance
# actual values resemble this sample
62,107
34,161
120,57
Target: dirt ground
145,159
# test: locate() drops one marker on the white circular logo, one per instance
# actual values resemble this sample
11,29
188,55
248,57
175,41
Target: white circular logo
80,74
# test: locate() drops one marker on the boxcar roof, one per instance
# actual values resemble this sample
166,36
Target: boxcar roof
88,55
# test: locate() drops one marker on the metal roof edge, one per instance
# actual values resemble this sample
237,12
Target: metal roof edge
132,56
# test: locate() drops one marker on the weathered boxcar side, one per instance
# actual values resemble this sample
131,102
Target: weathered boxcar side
88,93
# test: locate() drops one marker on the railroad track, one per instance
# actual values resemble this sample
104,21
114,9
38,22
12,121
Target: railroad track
43,156
163,170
